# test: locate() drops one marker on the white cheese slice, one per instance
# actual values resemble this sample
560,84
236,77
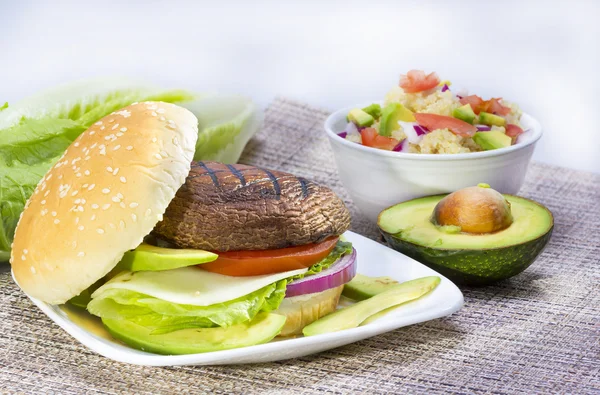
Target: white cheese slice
190,285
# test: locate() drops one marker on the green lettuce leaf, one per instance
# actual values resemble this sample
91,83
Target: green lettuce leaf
35,132
161,316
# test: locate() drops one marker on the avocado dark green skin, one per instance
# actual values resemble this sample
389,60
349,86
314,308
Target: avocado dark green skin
474,267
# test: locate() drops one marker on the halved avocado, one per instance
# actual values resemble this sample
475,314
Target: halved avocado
263,328
468,258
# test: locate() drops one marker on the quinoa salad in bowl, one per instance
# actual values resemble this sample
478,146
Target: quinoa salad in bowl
424,115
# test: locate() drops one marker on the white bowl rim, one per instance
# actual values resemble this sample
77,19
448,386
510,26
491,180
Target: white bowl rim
337,115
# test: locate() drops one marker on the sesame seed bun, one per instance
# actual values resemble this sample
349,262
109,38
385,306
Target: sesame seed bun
109,189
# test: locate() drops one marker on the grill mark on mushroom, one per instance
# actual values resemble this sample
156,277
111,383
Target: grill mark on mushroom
237,173
275,182
304,187
210,172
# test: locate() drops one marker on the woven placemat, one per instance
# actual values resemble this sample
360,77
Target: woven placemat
536,333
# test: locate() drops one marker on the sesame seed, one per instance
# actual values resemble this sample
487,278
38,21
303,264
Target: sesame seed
109,169
121,224
116,199
98,123
100,231
93,145
92,132
111,120
116,147
103,151
91,187
157,156
75,192
116,125
25,251
32,269
102,128
154,113
60,176
112,226
87,158
76,144
160,111
78,175
123,179
106,190
80,208
87,173
134,217
93,217
81,227
44,212
77,201
85,185
129,148
123,129
154,139
23,257
43,201
81,254
47,193
120,195
133,204
76,220
148,212
53,213
175,141
115,171
119,134
49,176
56,221
106,206
162,118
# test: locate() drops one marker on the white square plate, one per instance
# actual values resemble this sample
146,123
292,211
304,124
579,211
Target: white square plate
374,259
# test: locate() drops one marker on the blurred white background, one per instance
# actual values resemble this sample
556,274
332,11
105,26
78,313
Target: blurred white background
545,55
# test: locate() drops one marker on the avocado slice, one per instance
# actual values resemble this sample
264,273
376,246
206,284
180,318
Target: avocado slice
152,258
263,328
373,110
466,258
364,287
492,140
360,118
353,316
391,114
490,119
465,113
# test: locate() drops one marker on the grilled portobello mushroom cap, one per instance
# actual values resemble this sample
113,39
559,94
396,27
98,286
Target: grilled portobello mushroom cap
237,207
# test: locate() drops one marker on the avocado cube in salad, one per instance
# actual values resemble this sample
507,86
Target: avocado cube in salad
465,113
492,140
373,110
360,118
391,114
491,119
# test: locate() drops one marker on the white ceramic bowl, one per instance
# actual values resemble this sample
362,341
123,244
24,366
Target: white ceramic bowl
377,179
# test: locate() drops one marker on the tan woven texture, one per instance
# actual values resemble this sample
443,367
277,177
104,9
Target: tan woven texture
536,333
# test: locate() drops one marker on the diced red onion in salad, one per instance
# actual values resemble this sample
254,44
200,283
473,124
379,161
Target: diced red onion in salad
421,130
401,146
445,88
343,135
483,128
335,275
411,133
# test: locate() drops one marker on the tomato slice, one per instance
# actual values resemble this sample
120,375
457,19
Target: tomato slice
492,106
456,126
495,107
371,138
475,102
513,130
417,81
255,263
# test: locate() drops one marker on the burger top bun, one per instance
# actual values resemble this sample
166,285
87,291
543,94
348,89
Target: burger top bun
103,196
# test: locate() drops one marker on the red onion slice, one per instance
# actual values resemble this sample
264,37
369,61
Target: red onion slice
483,128
343,134
335,275
445,88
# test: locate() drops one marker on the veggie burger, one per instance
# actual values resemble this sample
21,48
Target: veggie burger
177,256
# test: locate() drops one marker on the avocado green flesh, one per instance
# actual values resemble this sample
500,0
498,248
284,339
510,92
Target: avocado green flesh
467,258
360,118
391,114
373,110
491,119
353,316
262,329
492,140
410,221
363,287
152,258
465,113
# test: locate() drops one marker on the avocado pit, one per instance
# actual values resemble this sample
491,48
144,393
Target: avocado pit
474,210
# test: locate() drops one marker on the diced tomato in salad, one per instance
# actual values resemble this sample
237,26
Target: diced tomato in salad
456,126
417,81
492,106
513,130
371,138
